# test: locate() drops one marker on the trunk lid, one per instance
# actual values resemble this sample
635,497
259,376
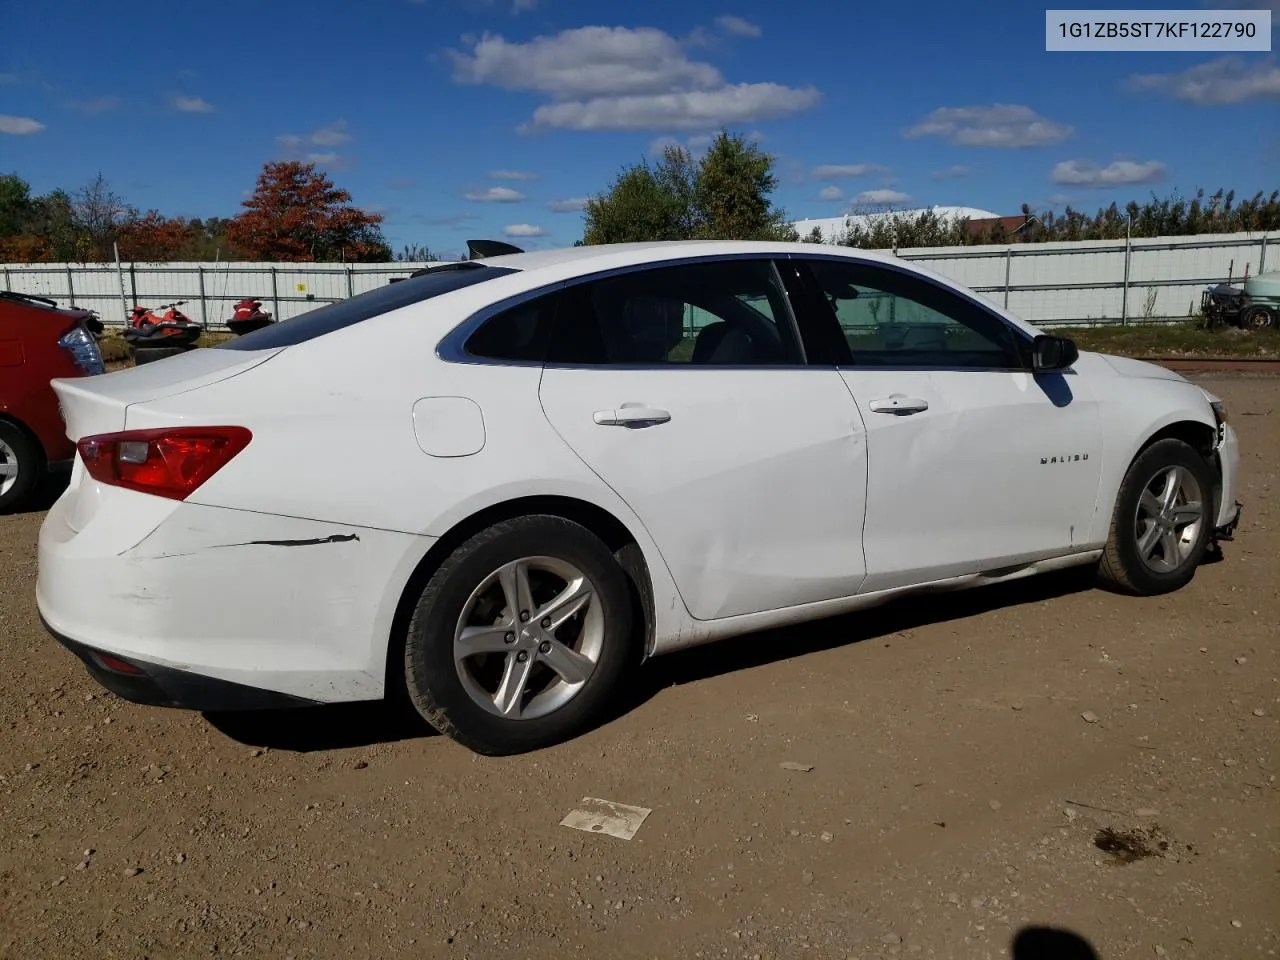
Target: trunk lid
99,404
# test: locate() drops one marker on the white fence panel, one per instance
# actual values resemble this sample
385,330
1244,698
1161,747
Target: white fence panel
1084,281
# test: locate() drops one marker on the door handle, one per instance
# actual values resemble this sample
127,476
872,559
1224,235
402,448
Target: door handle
898,405
631,415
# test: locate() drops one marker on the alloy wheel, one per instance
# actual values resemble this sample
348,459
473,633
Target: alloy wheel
8,468
529,637
1170,513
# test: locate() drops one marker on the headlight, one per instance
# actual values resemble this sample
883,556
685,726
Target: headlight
1219,411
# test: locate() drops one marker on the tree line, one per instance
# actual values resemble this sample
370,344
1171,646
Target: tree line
296,213
727,195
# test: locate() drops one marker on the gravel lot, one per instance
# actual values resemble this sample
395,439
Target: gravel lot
1039,754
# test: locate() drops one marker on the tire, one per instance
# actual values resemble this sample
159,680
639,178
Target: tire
1258,318
21,467
474,698
1139,558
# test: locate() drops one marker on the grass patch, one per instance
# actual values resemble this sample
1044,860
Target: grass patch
1151,340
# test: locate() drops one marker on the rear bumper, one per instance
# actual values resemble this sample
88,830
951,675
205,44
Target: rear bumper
161,686
220,609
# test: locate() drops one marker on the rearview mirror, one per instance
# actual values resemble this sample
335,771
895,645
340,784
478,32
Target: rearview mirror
1053,353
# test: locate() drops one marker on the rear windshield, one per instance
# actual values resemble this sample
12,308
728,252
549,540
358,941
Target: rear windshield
335,316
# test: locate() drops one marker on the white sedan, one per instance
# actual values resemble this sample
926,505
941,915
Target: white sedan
498,486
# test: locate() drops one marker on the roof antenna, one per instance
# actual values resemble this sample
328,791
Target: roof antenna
479,249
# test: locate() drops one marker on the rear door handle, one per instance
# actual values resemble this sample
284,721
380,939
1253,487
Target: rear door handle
631,415
899,405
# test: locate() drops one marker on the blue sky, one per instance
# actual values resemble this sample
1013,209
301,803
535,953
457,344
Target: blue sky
485,118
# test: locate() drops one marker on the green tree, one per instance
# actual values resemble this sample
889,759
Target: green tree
416,253
16,206
645,203
732,191
724,195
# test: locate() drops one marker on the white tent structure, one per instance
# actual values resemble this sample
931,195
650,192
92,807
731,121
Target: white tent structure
832,227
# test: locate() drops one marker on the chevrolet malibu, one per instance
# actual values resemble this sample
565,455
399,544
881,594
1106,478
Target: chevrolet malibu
498,486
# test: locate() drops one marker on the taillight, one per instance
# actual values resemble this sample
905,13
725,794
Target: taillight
79,343
168,462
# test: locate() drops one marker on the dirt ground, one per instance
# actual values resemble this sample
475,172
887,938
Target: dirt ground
1036,755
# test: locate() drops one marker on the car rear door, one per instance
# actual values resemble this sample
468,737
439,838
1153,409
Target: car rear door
975,462
684,388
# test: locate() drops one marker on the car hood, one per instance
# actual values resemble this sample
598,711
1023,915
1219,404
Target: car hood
1128,367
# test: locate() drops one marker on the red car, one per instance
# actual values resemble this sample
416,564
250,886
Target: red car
38,342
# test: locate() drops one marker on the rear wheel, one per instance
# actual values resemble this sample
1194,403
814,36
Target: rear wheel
1162,522
520,636
21,466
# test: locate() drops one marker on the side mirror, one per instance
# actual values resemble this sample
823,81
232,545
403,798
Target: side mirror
1053,353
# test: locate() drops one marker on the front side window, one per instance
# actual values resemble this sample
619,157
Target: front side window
731,312
890,318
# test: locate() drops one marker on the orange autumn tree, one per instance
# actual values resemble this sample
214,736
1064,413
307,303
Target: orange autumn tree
297,214
154,239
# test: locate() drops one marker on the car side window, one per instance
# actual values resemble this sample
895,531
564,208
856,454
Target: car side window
891,318
729,312
519,333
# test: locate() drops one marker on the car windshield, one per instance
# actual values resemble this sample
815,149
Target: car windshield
335,316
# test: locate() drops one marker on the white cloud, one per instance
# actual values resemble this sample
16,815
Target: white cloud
1216,82
586,62
513,175
847,171
881,196
621,78
496,195
738,27
95,105
331,135
1002,125
571,205
954,172
691,110
523,230
1118,174
831,193
192,104
19,126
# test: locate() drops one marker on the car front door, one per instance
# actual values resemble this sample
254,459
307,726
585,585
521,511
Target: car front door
684,388
975,462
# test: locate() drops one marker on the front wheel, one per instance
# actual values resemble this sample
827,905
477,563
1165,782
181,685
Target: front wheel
520,636
1162,522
